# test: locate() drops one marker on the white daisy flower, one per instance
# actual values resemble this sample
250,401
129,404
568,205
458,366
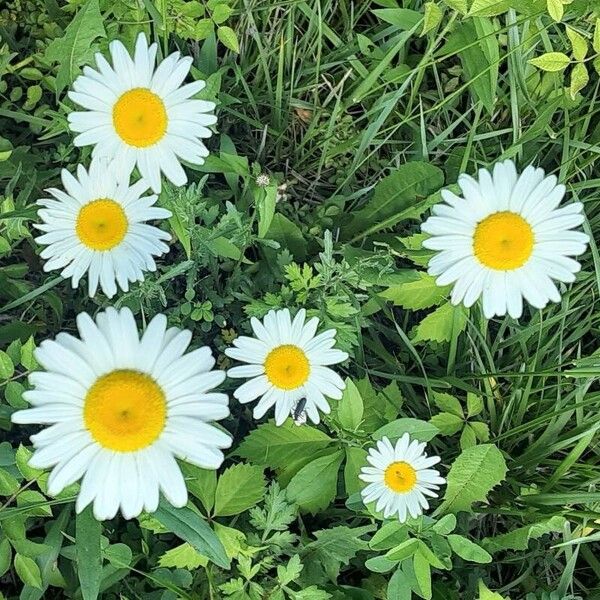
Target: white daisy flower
140,115
120,410
505,240
287,362
98,225
400,478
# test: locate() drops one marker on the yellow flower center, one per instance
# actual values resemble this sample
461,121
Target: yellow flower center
140,118
125,411
503,241
400,477
101,224
287,367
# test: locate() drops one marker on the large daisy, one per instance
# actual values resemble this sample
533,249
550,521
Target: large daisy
120,410
287,363
505,240
97,225
138,114
399,478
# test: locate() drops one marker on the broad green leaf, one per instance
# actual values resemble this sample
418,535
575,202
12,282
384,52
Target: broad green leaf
27,355
474,404
472,476
22,456
228,38
467,437
287,573
417,429
448,403
350,408
422,574
288,234
395,198
266,209
404,550
278,446
315,485
442,324
551,61
221,13
468,550
390,535
596,42
74,47
380,564
489,8
486,594
28,571
417,295
402,18
399,586
5,556
518,539
579,79
192,528
556,9
578,43
8,483
87,548
202,483
446,525
447,423
238,489
460,5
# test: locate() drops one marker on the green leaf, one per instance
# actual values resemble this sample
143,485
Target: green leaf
578,43
399,586
446,525
404,550
202,483
467,437
395,197
28,571
472,475
27,355
278,446
551,61
22,456
448,403
486,594
460,5
447,423
74,47
221,13
518,539
596,42
192,528
417,429
287,573
5,556
556,9
350,408
315,485
7,367
468,550
579,79
474,404
389,536
417,295
356,459
238,489
288,234
8,483
442,324
489,8
266,209
422,575
228,38
184,556
402,18
433,17
87,548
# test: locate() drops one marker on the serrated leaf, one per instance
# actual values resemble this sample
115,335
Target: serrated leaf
350,408
238,489
417,295
551,61
278,446
518,539
315,485
417,429
578,44
228,38
447,423
488,8
556,9
472,476
448,403
8,483
579,79
442,324
7,368
460,5
88,552
474,404
184,556
433,17
73,49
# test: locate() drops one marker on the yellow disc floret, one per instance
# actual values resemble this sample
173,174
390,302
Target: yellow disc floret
125,410
101,224
287,367
503,241
400,477
140,118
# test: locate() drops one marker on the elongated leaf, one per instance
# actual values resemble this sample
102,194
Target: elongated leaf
89,559
192,528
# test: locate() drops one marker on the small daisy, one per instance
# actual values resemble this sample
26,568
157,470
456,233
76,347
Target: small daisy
140,115
98,225
120,410
287,362
400,477
505,240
